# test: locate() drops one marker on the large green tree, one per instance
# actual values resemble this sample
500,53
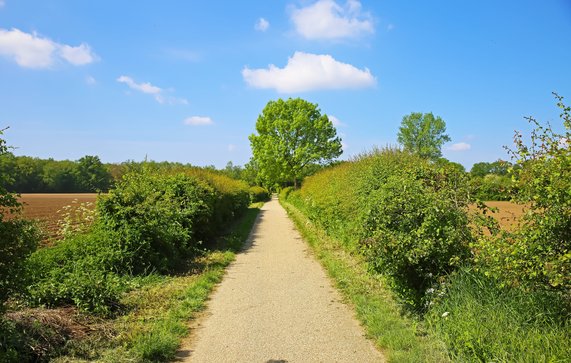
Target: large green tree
423,134
292,136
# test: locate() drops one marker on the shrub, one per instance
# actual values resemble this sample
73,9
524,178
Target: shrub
158,220
492,187
150,222
18,239
415,228
538,254
406,214
258,194
80,270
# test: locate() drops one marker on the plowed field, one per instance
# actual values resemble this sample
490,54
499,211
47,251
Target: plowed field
47,208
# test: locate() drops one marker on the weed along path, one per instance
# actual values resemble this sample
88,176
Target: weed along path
276,304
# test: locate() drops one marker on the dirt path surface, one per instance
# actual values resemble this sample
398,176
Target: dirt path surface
276,304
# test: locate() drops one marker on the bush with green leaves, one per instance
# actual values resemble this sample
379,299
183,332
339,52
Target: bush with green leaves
151,222
18,239
258,194
538,253
158,220
82,270
406,214
492,187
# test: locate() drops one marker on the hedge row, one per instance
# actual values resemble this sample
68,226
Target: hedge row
407,215
150,222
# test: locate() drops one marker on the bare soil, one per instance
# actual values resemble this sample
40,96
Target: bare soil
46,208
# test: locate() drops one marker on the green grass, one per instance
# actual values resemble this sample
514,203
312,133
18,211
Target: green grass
481,321
400,338
161,309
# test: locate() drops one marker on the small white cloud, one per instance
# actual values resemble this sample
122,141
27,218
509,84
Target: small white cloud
157,92
309,72
335,121
2,3
198,121
262,25
461,146
141,87
325,19
90,80
33,51
231,147
77,56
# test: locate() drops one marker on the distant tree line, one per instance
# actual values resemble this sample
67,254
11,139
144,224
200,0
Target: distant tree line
24,174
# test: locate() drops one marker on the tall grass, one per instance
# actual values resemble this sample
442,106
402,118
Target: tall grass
482,321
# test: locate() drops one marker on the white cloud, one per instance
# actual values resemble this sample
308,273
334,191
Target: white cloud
461,146
33,51
2,3
90,80
231,147
325,19
262,25
198,121
309,72
77,56
157,92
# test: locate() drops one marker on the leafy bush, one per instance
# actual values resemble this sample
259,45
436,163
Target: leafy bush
258,194
482,321
18,239
151,222
538,254
407,215
158,220
80,270
492,187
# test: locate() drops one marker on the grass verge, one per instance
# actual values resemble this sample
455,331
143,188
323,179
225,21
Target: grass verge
161,308
402,339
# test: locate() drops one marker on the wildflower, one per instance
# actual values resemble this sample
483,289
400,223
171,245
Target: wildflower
445,314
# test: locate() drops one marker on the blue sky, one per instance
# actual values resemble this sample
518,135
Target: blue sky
185,80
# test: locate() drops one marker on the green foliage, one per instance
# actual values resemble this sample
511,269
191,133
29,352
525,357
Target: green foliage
34,175
499,167
292,135
258,194
482,321
159,220
80,270
538,254
423,134
18,239
152,221
407,215
492,187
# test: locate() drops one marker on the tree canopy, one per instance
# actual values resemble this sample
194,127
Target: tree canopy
292,136
423,134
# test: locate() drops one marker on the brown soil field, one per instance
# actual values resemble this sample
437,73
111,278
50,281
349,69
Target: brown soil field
508,213
47,208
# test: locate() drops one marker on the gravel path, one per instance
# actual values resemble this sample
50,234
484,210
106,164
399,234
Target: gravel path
276,304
